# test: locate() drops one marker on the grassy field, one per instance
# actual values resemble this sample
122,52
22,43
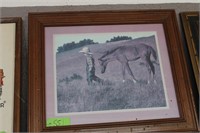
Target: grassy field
109,96
74,95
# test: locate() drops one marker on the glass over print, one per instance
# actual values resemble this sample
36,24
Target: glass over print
147,88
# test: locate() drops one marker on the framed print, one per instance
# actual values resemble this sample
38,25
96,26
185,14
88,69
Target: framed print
98,70
10,49
190,21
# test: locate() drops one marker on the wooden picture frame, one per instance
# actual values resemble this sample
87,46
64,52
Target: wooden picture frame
11,33
44,114
190,21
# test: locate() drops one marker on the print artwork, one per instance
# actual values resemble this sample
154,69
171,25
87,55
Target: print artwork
110,71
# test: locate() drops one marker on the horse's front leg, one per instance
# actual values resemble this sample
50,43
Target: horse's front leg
130,72
123,72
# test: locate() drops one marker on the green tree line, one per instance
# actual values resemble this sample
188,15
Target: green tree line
119,38
84,42
73,45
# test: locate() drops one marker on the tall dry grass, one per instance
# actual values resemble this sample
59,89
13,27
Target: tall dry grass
73,97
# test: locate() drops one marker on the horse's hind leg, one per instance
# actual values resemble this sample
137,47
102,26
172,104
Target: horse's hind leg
150,68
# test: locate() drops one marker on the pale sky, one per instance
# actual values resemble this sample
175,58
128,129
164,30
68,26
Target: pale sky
60,39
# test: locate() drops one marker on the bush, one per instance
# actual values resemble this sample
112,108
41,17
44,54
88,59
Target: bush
119,38
73,45
67,80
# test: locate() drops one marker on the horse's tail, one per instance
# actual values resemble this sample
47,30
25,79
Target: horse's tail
153,52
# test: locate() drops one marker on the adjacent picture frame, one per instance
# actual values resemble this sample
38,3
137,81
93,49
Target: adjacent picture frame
190,22
76,65
10,65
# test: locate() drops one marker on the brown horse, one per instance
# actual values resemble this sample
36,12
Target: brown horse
127,53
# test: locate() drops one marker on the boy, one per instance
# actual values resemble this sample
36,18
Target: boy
90,66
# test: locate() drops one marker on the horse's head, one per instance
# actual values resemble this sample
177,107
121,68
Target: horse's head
102,65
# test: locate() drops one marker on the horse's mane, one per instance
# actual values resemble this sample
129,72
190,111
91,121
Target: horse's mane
109,51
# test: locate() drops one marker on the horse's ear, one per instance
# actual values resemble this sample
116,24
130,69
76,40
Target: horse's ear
100,61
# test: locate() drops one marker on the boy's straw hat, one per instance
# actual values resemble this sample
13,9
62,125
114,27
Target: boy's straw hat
85,50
